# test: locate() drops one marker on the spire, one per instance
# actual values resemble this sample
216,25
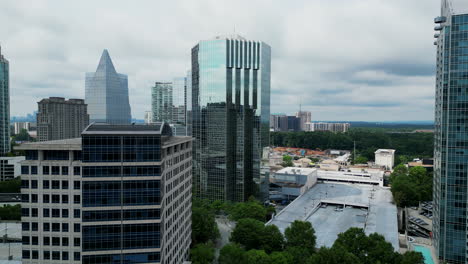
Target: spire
105,63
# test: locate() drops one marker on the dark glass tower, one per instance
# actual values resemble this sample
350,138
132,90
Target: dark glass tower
107,94
4,105
451,135
230,116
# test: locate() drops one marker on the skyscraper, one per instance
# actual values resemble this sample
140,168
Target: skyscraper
58,118
179,98
161,102
107,94
451,135
4,105
230,116
118,194
304,118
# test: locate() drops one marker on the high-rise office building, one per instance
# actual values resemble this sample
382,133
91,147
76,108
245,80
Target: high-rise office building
19,126
162,101
451,129
4,104
304,118
118,194
188,101
107,94
179,98
230,116
148,117
58,118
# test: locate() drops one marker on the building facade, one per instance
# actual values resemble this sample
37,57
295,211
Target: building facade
118,194
332,127
10,167
18,126
106,94
385,158
4,104
230,111
304,118
58,118
162,101
451,129
148,117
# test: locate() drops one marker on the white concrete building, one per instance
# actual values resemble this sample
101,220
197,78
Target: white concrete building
21,125
385,158
148,117
294,181
10,167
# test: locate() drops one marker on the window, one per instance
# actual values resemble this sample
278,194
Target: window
26,254
45,170
25,198
25,240
35,254
64,213
31,155
56,255
24,170
76,213
65,185
56,241
56,154
64,170
34,170
33,198
65,241
64,198
76,255
46,212
76,199
25,184
64,227
76,241
55,184
46,241
25,226
76,185
34,212
34,226
55,198
45,184
55,170
76,170
46,254
46,198
76,228
55,227
34,184
35,240
64,255
55,212
46,227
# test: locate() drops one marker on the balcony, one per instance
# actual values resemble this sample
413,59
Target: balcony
440,19
436,35
438,28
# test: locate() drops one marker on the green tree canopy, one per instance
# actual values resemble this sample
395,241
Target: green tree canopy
409,187
334,255
300,234
204,227
287,161
257,257
250,209
202,253
249,233
272,239
232,253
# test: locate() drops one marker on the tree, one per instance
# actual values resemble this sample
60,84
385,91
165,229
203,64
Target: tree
204,226
249,233
360,160
250,209
257,257
22,136
411,257
11,186
202,254
281,258
232,253
334,255
300,234
287,161
10,212
272,239
298,254
410,186
354,240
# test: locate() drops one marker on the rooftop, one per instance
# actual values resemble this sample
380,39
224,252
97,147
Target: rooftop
367,207
296,170
62,144
385,151
102,128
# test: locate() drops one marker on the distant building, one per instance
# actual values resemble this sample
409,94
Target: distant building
61,119
231,110
284,123
4,104
107,94
304,118
18,126
179,100
148,117
332,127
161,102
117,194
10,167
385,158
292,182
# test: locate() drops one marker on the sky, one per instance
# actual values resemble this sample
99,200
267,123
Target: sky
355,60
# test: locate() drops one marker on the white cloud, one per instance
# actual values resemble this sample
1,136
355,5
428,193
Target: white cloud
342,59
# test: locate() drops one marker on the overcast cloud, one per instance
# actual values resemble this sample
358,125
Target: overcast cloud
341,59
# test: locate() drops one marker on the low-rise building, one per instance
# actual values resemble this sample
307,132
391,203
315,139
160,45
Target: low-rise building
10,167
292,182
385,158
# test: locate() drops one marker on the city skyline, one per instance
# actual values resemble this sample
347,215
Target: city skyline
393,57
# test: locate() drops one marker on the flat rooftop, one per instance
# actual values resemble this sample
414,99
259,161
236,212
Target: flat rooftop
297,171
63,144
368,207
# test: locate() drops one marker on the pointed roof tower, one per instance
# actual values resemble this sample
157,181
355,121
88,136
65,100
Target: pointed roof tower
105,63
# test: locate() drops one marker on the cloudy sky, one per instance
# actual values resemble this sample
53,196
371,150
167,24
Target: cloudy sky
369,60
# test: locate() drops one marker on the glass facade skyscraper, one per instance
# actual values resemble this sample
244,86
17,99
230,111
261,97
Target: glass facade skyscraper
107,94
230,116
451,136
4,105
161,102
